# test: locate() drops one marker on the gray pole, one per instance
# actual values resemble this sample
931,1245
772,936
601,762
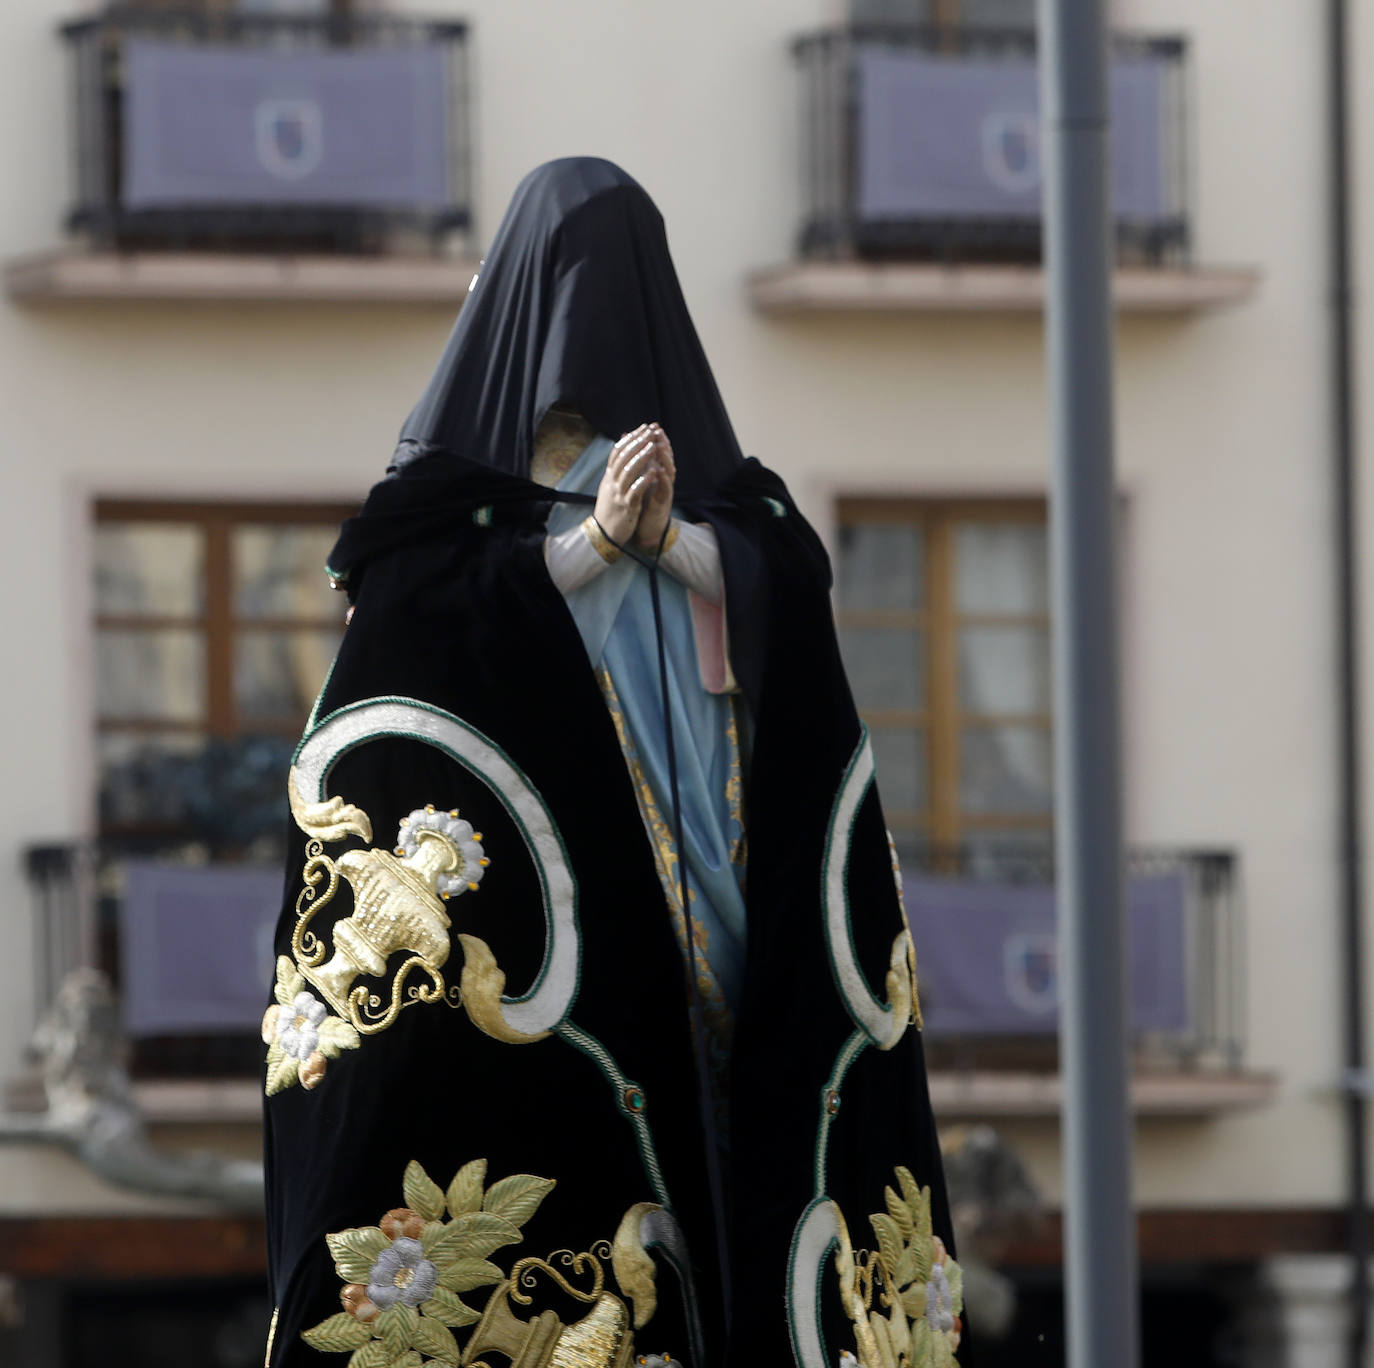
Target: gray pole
1099,1231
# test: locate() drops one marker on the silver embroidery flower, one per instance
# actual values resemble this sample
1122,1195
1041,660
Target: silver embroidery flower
298,1028
401,1274
469,859
939,1301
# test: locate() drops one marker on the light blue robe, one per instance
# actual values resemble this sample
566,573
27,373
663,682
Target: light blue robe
614,614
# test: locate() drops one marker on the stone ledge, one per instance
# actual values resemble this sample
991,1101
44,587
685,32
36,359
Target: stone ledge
822,287
208,277
988,1096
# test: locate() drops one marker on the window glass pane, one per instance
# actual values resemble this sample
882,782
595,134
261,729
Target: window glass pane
149,780
150,674
1004,770
149,569
278,674
880,567
1001,567
886,667
1004,670
279,572
900,756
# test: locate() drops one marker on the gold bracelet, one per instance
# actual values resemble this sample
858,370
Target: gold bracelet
668,541
605,547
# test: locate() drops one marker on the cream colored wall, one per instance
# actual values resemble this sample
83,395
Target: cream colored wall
1222,448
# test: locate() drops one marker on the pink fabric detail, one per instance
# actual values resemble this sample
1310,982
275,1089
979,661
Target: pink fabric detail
713,647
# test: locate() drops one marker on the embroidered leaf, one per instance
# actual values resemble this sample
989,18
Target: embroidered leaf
923,1344
282,1073
290,981
899,1333
396,1325
432,1338
449,1310
517,1198
889,1240
422,1193
914,1301
465,1191
371,1355
431,1233
923,1257
410,1359
466,1274
336,1034
911,1191
355,1251
896,1208
955,1275
473,1236
878,1328
337,1334
905,1272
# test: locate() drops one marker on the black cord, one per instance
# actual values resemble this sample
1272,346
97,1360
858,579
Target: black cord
708,1112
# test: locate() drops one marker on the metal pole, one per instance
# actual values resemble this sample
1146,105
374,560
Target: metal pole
1348,719
1099,1230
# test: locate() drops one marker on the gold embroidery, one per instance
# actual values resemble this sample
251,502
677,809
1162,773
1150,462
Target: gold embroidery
719,1018
912,1279
402,1279
562,437
907,951
604,546
398,906
734,791
669,539
271,1335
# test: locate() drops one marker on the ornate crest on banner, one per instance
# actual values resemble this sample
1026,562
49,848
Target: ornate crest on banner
289,136
1031,966
1011,151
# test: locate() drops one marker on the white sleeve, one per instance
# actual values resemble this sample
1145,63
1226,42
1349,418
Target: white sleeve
572,560
694,558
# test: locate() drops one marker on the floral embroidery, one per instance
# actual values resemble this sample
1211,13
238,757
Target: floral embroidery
300,1033
916,1285
402,1276
402,1279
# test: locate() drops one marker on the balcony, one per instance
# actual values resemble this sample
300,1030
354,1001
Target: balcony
921,177
190,947
246,155
983,920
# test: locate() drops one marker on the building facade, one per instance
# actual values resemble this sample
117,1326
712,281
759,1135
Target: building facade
191,403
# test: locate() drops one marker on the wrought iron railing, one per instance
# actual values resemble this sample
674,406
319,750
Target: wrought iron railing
921,141
1185,919
1196,941
190,210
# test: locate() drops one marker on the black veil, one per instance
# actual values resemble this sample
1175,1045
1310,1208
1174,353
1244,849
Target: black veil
577,301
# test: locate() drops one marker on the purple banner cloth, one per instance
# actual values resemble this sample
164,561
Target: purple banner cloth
987,961
952,138
233,126
196,947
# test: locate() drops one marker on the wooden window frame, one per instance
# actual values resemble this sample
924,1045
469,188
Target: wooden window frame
944,823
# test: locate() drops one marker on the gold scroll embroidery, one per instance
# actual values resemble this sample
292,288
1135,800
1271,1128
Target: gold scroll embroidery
399,906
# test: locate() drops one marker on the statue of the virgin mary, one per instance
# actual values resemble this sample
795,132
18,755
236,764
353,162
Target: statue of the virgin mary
595,1038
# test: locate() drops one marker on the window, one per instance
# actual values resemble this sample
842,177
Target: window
215,626
943,616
